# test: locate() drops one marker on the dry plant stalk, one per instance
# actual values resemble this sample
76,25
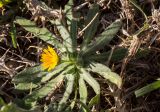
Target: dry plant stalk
3,67
127,9
156,16
41,10
51,95
135,44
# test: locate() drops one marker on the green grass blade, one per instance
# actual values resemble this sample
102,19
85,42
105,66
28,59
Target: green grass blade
103,39
105,72
68,91
42,33
146,89
91,81
133,2
13,35
93,20
94,101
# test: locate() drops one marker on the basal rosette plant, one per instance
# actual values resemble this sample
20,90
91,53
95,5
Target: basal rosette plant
75,64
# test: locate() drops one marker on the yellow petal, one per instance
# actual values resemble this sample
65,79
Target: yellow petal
49,58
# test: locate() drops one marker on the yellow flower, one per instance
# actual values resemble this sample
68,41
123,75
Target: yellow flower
49,58
4,2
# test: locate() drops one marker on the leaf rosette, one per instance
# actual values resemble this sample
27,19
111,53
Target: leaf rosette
75,65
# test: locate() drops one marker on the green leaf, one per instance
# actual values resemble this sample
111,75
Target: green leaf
73,31
83,94
142,53
42,33
61,67
13,35
42,92
82,90
1,102
91,30
64,34
85,107
28,106
25,86
69,39
68,91
103,39
30,82
98,67
146,89
67,27
34,76
28,75
91,81
48,87
69,12
94,101
11,107
118,54
53,107
105,72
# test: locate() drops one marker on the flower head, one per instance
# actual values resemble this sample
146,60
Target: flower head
49,58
